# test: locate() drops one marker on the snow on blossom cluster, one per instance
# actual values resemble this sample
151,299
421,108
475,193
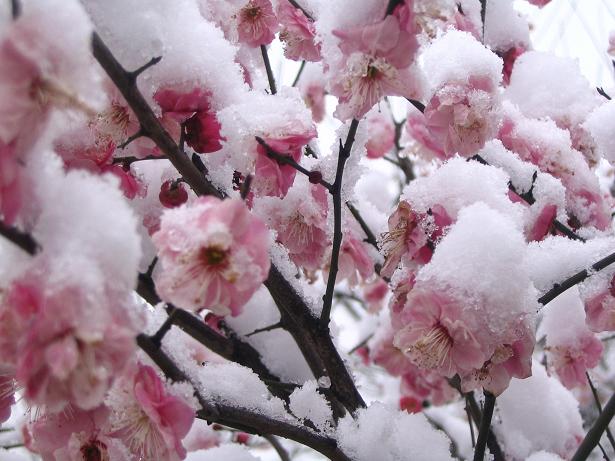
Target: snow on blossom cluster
477,180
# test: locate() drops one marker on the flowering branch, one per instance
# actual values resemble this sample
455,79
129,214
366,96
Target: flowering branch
21,239
577,278
315,177
246,420
485,427
336,192
595,432
296,5
609,434
268,69
370,237
315,343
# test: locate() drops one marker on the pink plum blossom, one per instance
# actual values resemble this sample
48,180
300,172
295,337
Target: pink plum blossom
354,262
377,60
375,293
75,435
67,345
543,223
539,3
10,183
301,225
256,23
572,359
461,116
381,135
314,97
271,178
600,310
439,335
416,126
149,420
213,254
611,48
192,108
509,57
298,34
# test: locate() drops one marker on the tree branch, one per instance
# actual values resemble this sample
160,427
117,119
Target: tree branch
278,447
299,7
577,278
371,238
315,177
241,418
268,69
19,238
485,427
336,192
609,434
299,72
317,347
595,432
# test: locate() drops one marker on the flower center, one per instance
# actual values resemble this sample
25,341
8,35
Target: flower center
372,72
432,349
213,256
94,450
251,12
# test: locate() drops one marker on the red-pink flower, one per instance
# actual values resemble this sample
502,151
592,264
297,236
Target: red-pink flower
298,34
509,57
271,178
461,116
381,133
377,60
302,226
213,254
600,310
354,262
314,97
539,3
74,435
572,359
543,223
68,340
256,23
194,110
416,126
10,183
439,335
148,419
375,294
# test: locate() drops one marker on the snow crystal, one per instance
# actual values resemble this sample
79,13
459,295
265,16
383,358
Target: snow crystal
459,183
543,456
238,386
504,27
93,220
194,51
230,452
382,432
556,258
525,427
537,87
306,403
456,56
601,125
481,258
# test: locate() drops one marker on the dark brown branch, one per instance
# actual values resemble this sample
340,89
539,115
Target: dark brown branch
577,278
336,192
315,345
277,446
602,93
126,84
131,160
418,104
485,427
299,72
595,432
285,159
268,69
275,326
19,238
483,11
15,8
370,237
609,434
241,418
303,10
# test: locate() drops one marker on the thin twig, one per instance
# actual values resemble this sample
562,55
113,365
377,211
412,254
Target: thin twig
299,72
361,344
15,8
275,326
467,408
286,159
303,10
336,192
577,278
278,447
609,434
268,69
19,238
485,427
242,418
130,160
483,11
595,432
370,237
